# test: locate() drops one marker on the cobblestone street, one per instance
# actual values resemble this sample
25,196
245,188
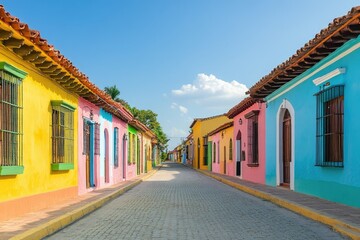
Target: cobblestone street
180,203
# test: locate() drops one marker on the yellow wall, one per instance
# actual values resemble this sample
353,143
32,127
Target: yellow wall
147,157
38,91
200,129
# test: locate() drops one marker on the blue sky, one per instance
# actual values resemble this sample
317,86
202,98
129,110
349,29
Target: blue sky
182,59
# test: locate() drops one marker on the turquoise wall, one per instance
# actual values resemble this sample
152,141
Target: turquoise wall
335,184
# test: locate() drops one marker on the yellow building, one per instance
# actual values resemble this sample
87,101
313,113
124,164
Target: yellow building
200,128
149,139
220,149
39,93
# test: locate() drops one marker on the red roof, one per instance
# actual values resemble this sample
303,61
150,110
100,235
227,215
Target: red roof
329,39
51,62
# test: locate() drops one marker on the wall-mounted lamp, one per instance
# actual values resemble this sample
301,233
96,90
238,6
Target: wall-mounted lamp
240,121
222,134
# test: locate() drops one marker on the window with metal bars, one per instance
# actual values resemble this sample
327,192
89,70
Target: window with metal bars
205,147
86,133
62,132
214,155
230,149
330,127
11,122
97,139
129,148
218,152
134,149
253,138
116,147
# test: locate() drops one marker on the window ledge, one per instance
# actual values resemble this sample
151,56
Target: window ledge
62,166
253,164
11,170
331,164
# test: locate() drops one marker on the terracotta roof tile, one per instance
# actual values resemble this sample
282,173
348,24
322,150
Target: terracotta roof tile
240,107
35,37
328,40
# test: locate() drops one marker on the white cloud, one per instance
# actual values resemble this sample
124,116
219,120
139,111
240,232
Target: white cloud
182,109
209,88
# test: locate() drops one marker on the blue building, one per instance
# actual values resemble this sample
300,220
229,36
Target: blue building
312,129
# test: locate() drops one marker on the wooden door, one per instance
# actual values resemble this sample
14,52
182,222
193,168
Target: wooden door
238,154
286,147
87,153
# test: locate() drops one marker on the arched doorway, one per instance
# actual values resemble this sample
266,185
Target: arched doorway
286,150
106,159
238,154
124,160
88,151
285,142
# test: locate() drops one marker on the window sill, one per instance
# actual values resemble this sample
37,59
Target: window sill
253,164
331,164
62,166
11,170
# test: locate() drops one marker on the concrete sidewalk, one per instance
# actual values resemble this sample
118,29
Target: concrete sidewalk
39,224
343,219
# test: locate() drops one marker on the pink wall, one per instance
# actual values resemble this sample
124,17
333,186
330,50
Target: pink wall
118,171
254,174
84,111
131,171
215,165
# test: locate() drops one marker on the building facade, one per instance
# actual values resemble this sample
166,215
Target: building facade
311,127
200,127
249,139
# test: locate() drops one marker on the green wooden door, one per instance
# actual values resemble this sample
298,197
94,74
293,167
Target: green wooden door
209,155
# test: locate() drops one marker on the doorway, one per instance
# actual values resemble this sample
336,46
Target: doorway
106,159
238,154
286,137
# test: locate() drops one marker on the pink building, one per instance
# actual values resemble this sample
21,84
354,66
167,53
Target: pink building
88,146
102,146
249,139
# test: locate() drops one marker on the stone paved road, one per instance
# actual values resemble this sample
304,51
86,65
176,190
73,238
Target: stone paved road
179,203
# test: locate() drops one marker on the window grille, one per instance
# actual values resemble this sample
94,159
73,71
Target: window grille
214,156
205,146
62,132
134,140
218,152
97,139
11,123
230,149
129,148
330,127
86,133
253,137
116,147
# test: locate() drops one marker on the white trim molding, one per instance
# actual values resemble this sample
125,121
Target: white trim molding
324,78
279,148
301,80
